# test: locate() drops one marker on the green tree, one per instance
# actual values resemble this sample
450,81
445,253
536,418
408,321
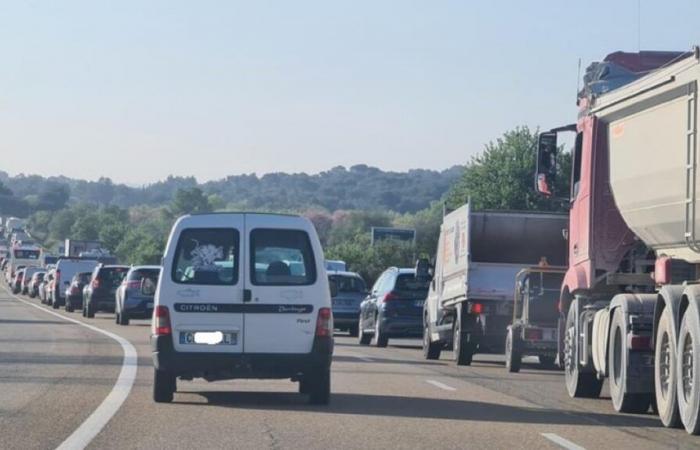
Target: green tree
502,176
187,201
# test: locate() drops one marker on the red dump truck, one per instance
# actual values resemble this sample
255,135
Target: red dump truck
630,299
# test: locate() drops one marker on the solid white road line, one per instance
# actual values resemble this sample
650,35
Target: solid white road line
92,426
560,441
441,385
363,358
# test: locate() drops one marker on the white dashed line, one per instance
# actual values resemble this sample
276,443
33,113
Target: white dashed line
442,386
92,426
563,443
363,358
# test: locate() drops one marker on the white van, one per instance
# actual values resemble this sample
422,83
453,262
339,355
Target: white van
243,295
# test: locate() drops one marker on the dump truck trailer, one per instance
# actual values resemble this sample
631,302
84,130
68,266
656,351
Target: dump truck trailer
630,300
470,300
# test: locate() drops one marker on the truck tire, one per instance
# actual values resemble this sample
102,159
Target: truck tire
513,356
319,388
380,339
578,384
665,378
687,362
362,337
431,350
462,349
618,360
164,386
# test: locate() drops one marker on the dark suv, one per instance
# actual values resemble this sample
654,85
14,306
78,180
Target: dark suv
394,308
99,294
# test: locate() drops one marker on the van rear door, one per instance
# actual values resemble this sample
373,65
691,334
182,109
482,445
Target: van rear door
284,284
205,292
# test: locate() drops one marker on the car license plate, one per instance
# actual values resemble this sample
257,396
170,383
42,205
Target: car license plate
419,303
208,338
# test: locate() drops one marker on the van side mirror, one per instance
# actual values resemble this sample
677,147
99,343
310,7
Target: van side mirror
333,287
546,163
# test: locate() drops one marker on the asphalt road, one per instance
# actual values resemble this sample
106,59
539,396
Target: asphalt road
54,374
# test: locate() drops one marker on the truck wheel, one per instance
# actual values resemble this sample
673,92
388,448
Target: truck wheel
513,356
618,360
380,339
319,388
665,371
164,386
578,384
363,338
462,349
431,350
687,360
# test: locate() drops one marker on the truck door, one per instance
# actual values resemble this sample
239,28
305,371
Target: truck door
283,286
207,274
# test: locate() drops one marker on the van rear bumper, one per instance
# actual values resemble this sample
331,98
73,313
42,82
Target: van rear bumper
222,366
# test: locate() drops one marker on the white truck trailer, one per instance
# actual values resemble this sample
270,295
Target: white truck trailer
470,301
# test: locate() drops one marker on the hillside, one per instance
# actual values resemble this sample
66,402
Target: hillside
359,187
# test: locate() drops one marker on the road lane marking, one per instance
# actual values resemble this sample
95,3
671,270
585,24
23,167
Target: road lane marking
560,441
91,427
442,386
363,358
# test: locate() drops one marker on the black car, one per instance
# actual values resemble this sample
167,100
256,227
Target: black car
135,295
100,292
74,293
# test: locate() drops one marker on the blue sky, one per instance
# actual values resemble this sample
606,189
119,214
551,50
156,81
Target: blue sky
138,90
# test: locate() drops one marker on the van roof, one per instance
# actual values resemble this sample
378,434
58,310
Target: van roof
238,213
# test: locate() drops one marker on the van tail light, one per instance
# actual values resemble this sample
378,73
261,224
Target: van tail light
476,308
95,283
390,296
161,321
324,323
533,334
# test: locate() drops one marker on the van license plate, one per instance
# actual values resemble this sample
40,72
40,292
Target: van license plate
208,338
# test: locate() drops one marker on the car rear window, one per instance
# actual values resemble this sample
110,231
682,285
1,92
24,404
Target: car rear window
138,275
207,256
349,284
112,276
84,277
408,282
281,258
27,254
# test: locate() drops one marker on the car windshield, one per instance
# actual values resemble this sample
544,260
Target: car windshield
349,284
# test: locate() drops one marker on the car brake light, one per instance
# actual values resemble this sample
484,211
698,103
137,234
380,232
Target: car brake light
533,334
324,323
390,296
161,321
476,308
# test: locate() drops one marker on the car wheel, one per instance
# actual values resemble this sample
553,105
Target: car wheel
353,330
89,311
319,388
69,306
363,338
380,339
55,305
123,318
164,386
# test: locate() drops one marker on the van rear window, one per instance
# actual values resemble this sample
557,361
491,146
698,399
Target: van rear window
281,258
207,256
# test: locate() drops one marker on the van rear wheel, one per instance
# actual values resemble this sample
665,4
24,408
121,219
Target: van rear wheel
164,385
318,386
